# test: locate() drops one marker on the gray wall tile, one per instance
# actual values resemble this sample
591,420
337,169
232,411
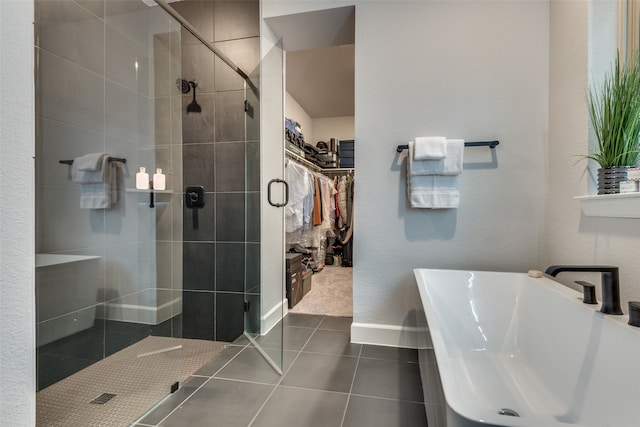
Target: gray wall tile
199,266
69,93
230,217
127,114
59,141
229,116
200,15
197,65
245,53
198,316
68,30
198,165
94,6
236,19
127,62
230,264
229,316
230,166
198,127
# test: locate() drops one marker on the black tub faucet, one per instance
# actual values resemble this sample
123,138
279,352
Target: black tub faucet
610,281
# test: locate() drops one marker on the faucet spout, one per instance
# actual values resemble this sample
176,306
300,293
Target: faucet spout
610,281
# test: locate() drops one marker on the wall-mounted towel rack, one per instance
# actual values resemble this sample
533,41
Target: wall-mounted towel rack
112,159
490,144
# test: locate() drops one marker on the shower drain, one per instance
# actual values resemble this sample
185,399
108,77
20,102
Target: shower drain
103,398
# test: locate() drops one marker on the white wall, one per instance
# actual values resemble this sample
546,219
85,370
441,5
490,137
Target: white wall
319,129
569,236
294,111
476,70
17,299
333,127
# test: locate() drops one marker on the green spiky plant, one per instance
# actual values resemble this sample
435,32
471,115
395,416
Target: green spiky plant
615,114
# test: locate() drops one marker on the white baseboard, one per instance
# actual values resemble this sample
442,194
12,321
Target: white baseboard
387,335
273,316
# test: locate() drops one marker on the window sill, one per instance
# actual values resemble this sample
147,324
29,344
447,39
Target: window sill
624,205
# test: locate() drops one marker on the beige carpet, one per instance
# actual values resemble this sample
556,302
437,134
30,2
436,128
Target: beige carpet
140,376
331,293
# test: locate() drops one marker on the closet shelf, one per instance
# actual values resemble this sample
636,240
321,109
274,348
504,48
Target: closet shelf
623,205
313,166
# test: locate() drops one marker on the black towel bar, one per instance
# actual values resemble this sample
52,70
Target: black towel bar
491,144
112,159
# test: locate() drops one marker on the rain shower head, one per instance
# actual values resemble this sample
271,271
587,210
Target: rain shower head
184,86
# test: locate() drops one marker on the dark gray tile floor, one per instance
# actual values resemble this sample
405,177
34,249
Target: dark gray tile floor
327,382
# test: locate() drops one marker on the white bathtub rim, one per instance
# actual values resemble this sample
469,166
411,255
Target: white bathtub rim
465,409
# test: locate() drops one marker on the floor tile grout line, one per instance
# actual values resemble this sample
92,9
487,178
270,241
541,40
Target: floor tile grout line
353,380
312,389
386,398
330,354
200,387
284,372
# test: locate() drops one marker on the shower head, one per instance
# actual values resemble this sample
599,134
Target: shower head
184,86
194,107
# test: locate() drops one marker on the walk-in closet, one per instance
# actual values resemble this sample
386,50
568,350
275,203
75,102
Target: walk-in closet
320,172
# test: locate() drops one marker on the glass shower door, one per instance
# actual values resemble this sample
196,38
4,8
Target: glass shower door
264,293
108,307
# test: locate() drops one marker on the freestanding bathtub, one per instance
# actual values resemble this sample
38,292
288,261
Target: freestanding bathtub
508,342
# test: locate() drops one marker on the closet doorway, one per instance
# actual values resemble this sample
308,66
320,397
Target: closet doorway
319,166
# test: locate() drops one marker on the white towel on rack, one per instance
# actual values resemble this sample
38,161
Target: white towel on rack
98,181
450,165
433,191
434,184
430,148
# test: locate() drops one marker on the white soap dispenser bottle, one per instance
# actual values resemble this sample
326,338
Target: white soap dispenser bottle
159,180
142,179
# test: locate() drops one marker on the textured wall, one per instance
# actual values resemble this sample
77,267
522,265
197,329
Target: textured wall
17,300
476,70
472,70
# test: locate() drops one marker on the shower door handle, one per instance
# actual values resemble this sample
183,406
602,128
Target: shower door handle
286,192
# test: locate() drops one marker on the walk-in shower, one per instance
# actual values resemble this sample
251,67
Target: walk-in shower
134,297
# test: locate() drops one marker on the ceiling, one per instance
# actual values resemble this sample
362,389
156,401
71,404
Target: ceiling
320,58
322,80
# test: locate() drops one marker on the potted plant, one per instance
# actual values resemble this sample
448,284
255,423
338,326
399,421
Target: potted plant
614,109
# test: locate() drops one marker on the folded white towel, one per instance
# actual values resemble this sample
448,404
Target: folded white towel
89,162
98,182
430,148
85,171
450,165
434,199
433,191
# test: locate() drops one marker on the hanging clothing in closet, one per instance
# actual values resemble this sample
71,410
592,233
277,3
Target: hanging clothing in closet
308,215
345,187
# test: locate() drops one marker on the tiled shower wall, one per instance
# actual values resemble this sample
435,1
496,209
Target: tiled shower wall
221,255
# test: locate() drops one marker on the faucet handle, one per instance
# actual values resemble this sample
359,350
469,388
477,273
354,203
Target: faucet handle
588,291
634,313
